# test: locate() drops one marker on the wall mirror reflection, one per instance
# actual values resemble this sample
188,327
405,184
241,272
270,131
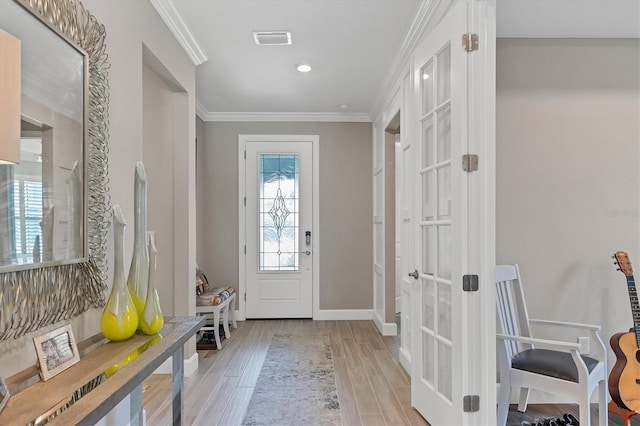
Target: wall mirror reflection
43,198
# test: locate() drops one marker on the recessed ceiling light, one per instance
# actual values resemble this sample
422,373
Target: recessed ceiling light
425,76
303,67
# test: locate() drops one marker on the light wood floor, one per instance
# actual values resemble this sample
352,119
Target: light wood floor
372,387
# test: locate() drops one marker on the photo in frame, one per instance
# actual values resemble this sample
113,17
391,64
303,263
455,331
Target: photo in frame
4,394
56,351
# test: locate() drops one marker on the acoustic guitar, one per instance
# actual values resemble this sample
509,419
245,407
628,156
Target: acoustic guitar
624,379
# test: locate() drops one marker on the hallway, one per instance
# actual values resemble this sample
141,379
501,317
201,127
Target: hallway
372,388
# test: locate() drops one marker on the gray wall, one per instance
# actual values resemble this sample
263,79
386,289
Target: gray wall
345,205
129,26
568,133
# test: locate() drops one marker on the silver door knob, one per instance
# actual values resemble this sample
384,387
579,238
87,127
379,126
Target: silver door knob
307,252
414,274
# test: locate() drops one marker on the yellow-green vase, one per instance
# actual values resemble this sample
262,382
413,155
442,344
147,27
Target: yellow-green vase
138,278
119,318
151,321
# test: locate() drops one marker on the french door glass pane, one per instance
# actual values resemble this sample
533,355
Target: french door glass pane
444,134
427,142
428,348
444,369
427,88
444,74
428,303
279,212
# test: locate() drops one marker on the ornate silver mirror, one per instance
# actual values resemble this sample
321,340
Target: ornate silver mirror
54,205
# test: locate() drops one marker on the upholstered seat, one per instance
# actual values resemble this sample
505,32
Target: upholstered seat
551,363
214,296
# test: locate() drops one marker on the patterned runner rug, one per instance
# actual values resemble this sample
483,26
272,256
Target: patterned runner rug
296,385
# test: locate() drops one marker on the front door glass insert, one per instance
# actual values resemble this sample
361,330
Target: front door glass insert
279,212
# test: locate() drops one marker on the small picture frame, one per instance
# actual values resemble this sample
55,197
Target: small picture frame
4,394
56,351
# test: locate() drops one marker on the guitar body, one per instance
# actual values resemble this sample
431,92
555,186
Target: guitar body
624,379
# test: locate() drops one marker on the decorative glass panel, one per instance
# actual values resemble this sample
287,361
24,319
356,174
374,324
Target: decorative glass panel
279,212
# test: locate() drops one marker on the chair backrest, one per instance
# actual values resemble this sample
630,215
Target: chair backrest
511,310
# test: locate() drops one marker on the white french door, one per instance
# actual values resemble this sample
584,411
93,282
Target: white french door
440,373
278,224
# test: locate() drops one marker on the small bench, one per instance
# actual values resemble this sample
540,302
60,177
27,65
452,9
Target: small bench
211,303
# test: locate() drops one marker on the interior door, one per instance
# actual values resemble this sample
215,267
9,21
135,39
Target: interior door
439,357
278,228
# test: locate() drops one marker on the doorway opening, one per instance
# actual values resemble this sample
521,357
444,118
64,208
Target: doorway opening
392,279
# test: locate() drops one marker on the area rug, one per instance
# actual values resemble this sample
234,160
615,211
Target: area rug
296,385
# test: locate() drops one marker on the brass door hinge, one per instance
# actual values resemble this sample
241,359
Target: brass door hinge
470,42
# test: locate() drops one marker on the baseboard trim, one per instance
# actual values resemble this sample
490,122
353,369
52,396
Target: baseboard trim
385,328
405,360
190,366
344,314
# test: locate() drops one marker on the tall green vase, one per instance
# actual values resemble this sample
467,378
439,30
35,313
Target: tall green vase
152,321
119,318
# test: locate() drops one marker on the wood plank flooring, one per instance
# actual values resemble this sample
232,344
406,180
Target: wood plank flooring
372,387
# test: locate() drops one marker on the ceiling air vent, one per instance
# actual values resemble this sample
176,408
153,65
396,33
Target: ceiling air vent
272,38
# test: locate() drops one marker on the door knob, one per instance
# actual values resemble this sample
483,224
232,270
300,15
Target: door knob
307,252
414,274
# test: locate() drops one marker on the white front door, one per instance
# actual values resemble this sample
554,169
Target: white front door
440,374
278,227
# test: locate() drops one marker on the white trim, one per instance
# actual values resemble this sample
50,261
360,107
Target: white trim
167,11
242,279
201,111
405,360
423,16
385,328
343,314
190,366
283,116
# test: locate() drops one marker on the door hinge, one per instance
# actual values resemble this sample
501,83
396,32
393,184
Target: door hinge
471,403
469,283
469,162
470,42
245,297
245,155
245,249
245,201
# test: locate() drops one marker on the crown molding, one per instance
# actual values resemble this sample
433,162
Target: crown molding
423,16
281,116
181,32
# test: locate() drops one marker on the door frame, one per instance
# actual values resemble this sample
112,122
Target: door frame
242,216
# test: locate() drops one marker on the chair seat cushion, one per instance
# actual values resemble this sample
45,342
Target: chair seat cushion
551,363
214,296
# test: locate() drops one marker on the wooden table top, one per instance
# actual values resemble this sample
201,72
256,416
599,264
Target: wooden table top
125,369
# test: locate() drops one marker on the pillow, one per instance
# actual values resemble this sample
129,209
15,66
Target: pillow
202,283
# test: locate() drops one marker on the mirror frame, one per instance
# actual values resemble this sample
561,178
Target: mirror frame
41,296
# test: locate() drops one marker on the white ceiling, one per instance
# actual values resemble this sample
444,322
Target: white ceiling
353,45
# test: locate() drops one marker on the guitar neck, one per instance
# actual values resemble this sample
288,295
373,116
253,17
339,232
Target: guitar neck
635,306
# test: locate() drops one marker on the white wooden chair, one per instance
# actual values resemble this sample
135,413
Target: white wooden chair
553,366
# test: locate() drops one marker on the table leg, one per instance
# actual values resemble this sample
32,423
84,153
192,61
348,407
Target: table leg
176,387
